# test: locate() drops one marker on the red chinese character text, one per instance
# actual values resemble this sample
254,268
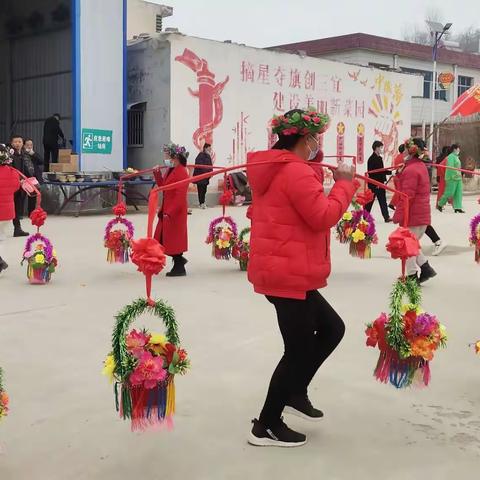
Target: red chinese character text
336,84
359,109
309,80
280,76
247,72
322,106
309,101
264,74
294,101
279,101
295,79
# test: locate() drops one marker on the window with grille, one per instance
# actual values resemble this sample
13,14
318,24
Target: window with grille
464,83
159,24
135,125
427,84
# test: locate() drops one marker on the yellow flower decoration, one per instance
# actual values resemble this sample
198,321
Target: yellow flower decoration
39,258
157,342
54,252
109,367
408,307
358,236
347,216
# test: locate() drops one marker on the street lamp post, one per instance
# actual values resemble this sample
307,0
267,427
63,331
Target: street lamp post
439,31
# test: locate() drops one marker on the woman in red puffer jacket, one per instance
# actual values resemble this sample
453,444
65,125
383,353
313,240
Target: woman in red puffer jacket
9,184
290,259
171,230
415,182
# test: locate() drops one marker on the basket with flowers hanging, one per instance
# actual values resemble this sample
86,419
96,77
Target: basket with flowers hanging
118,235
41,259
143,366
407,338
474,237
241,249
222,235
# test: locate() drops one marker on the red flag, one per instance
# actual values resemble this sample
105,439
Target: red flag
468,103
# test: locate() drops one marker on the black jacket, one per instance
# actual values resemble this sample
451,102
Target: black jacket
38,165
375,162
52,132
202,159
23,163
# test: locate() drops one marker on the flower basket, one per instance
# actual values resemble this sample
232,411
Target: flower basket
117,240
143,365
241,249
474,237
41,259
364,234
344,228
4,400
407,338
222,235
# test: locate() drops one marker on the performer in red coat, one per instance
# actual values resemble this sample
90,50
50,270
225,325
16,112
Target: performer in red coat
290,259
9,184
415,182
171,229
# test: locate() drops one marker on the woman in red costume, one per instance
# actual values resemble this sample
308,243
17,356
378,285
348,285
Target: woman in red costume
290,260
171,229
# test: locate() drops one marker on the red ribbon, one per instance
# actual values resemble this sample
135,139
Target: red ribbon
120,209
402,243
38,217
226,198
365,197
149,256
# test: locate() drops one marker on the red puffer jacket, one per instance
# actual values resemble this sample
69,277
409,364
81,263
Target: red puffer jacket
291,221
415,182
9,184
171,230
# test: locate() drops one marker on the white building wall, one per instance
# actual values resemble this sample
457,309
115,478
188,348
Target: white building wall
240,88
421,107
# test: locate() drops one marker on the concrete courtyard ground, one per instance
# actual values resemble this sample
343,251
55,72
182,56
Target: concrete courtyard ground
63,425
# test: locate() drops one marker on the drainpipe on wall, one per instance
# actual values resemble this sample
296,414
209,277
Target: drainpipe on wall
455,83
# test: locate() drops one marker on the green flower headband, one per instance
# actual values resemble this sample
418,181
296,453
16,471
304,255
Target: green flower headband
300,123
173,150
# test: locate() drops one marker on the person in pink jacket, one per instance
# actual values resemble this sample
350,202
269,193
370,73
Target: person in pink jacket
415,182
9,184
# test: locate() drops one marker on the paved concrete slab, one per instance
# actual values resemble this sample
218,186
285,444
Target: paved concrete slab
63,426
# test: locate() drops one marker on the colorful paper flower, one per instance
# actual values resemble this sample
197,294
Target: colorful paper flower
136,342
148,255
358,236
39,258
149,371
347,216
157,343
109,367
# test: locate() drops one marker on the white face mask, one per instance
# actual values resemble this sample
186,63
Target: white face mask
314,152
168,163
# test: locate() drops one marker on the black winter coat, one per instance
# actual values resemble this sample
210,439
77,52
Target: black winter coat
202,159
52,132
375,162
38,165
23,163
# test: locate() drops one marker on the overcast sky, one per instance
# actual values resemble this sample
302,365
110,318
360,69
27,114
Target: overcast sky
271,22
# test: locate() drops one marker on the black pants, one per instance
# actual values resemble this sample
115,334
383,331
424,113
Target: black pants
50,151
311,330
202,192
432,234
19,199
380,195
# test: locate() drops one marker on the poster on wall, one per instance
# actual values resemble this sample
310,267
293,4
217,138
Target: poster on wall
231,92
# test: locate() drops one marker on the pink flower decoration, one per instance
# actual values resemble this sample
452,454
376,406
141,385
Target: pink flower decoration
149,371
307,118
316,120
136,342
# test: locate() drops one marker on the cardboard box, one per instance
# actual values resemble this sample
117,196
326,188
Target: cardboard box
64,155
62,167
74,162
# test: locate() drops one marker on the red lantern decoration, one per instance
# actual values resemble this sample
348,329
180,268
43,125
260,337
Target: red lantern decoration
446,79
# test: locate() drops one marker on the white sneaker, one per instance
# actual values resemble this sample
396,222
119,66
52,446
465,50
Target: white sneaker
439,248
203,206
